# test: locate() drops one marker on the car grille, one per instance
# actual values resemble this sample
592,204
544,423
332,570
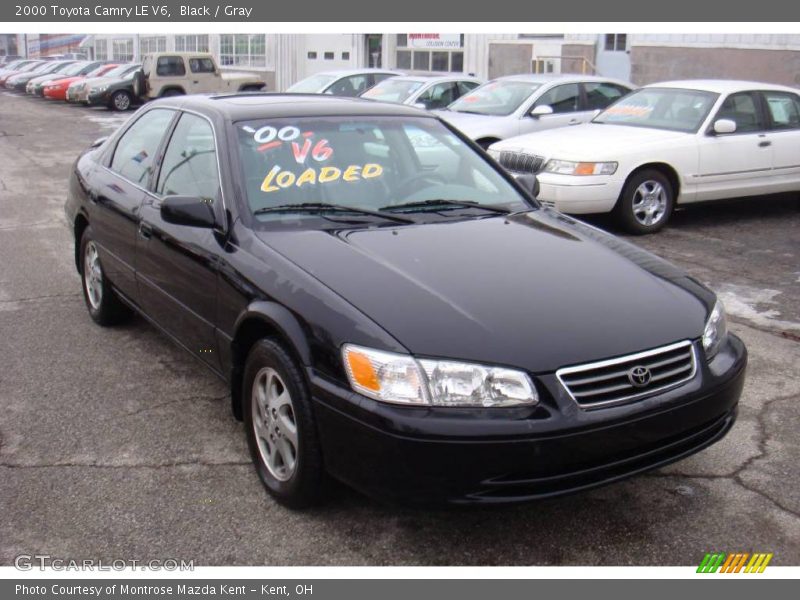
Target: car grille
521,162
621,380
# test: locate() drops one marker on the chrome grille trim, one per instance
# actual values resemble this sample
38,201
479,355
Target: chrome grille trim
666,364
520,162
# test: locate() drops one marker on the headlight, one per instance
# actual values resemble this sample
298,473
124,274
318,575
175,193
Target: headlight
98,89
568,167
715,331
402,379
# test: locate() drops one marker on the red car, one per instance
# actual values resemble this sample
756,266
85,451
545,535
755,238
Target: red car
57,89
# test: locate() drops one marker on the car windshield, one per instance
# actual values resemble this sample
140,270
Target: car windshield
117,71
498,98
73,69
393,90
386,164
98,71
673,109
312,85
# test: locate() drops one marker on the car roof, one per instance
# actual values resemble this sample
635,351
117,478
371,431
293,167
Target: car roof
543,78
264,105
434,78
346,72
722,86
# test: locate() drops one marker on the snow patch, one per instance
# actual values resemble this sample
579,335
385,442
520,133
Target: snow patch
753,303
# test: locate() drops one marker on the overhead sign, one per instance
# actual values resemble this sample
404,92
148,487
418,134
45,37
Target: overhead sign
434,40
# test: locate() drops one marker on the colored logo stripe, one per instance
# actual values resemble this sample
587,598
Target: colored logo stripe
734,562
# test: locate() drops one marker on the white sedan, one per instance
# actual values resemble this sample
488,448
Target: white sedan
666,144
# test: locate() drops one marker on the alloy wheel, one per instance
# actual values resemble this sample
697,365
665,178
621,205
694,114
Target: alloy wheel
274,424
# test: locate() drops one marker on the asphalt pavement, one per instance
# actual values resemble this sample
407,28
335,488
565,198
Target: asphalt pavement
114,444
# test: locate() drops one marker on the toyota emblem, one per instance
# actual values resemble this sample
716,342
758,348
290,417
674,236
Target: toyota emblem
639,376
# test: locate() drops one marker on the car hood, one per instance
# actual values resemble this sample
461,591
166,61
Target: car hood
94,81
66,80
473,126
589,141
536,290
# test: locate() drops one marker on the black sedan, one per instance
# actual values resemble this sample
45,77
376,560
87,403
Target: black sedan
392,309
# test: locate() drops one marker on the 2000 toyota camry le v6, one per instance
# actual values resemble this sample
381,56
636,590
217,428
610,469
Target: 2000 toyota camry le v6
391,308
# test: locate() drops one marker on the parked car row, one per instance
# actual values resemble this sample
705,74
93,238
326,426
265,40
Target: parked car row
122,86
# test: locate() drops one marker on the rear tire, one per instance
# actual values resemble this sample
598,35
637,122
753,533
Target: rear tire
646,202
280,427
102,302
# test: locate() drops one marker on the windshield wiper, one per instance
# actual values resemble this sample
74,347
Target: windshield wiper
441,202
326,207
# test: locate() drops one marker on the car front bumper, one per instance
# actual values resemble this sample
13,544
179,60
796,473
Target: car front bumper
98,98
518,454
579,195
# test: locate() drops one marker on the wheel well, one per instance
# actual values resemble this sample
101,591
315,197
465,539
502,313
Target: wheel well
81,223
250,331
486,142
257,87
665,170
171,88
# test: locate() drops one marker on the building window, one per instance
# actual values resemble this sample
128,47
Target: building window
191,43
345,56
328,56
312,56
152,44
101,49
616,42
122,50
430,52
242,50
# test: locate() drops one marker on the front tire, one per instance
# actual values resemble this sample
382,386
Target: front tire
646,202
102,302
280,427
121,100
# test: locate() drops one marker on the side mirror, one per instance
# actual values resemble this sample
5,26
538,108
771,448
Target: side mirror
530,183
723,126
542,109
189,211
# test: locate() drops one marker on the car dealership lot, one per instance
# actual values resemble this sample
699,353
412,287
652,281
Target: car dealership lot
115,444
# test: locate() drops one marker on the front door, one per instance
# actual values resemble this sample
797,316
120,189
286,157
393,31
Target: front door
177,264
738,163
117,193
568,109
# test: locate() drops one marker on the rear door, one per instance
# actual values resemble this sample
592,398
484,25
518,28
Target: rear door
116,195
783,113
177,264
739,163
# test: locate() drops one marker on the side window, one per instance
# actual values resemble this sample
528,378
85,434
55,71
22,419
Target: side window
348,86
133,157
378,77
170,66
600,95
439,95
201,65
189,167
743,110
562,98
465,87
784,109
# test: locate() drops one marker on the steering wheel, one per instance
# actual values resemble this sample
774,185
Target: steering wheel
434,178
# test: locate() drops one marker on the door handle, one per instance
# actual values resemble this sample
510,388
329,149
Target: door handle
764,144
195,81
145,231
574,121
